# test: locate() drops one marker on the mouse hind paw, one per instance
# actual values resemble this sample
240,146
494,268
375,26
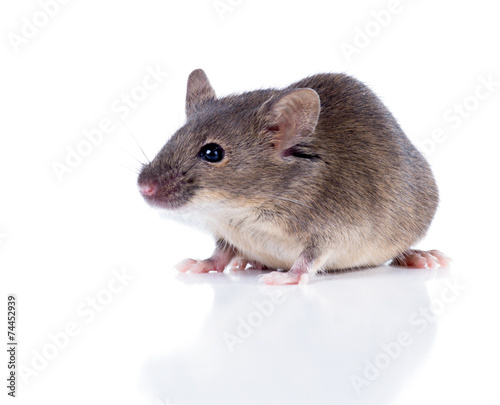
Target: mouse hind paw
421,259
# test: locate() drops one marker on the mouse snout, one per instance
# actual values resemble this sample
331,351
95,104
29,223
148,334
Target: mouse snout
163,187
148,188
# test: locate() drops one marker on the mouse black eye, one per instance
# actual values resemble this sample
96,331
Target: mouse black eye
212,153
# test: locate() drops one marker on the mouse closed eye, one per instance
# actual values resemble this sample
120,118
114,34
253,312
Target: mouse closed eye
316,176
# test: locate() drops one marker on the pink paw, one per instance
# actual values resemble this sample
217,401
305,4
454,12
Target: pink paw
198,266
238,264
283,278
421,259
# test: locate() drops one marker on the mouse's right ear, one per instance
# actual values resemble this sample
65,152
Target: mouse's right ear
292,118
199,91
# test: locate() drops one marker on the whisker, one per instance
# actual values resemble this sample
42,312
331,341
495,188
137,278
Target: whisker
130,168
128,153
133,137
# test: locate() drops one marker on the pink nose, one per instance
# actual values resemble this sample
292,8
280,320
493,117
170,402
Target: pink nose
148,189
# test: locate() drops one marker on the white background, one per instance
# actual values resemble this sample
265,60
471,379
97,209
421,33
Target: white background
159,339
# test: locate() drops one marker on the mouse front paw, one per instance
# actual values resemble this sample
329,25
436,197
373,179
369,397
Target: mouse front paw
198,266
238,264
284,278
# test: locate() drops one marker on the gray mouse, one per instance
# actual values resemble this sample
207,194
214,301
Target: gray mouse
314,177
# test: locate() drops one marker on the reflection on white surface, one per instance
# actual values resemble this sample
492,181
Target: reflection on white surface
354,337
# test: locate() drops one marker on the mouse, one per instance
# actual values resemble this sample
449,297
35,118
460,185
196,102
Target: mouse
314,177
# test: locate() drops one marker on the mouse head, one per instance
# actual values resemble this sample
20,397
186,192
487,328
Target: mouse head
241,150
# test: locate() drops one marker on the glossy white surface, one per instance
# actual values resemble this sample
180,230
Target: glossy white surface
306,344
378,336
364,337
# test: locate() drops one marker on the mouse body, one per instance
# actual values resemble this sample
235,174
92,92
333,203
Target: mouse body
316,176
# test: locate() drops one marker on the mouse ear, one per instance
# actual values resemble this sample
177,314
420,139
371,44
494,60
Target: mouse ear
293,117
199,90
